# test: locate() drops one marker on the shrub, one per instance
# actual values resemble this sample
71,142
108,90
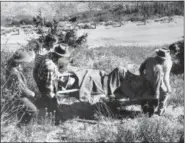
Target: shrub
165,128
143,10
26,21
159,129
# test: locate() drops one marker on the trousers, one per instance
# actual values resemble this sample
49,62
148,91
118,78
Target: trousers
30,110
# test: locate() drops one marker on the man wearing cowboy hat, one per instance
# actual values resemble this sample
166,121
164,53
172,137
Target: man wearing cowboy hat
49,75
156,73
41,49
17,83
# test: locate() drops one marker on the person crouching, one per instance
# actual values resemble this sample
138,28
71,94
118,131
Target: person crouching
17,83
156,73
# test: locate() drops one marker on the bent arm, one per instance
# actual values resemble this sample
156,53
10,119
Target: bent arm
25,91
157,82
18,83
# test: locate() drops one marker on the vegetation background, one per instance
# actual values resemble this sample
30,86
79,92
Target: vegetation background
166,128
89,11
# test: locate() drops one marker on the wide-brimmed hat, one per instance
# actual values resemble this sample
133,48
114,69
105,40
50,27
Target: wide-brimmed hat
163,53
61,50
23,55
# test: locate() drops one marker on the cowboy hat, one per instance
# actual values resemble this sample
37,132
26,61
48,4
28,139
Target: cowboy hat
163,53
61,50
22,55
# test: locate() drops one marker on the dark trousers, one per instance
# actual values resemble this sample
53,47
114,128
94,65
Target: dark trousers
52,107
25,114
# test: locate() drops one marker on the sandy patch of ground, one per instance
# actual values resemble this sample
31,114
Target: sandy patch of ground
13,40
153,33
131,33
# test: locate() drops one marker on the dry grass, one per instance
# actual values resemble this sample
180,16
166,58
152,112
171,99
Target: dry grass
166,128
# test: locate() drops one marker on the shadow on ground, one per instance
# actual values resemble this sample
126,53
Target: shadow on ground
84,110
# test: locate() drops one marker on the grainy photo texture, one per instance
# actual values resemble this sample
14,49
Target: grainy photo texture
92,71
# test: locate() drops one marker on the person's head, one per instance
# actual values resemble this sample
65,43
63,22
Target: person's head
63,64
64,81
61,55
162,55
34,45
19,57
12,64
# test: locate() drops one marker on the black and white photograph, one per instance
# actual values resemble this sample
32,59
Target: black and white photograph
92,71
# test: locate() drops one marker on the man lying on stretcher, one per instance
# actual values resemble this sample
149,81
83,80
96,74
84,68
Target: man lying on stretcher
95,85
122,84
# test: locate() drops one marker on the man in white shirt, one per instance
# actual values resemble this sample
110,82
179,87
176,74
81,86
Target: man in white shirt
156,72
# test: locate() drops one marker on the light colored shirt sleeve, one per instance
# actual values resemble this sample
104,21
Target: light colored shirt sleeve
157,79
167,69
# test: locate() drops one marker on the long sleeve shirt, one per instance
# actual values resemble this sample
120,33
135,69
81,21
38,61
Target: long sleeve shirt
17,83
167,68
48,76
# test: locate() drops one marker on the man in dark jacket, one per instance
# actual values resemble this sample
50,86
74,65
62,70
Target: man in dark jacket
48,75
17,85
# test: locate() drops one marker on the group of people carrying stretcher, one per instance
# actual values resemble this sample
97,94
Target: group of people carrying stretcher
52,77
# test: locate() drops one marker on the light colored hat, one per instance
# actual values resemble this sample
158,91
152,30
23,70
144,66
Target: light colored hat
61,50
163,53
21,56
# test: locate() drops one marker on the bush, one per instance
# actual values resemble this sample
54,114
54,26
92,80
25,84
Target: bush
103,17
141,10
177,52
160,129
166,128
26,21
